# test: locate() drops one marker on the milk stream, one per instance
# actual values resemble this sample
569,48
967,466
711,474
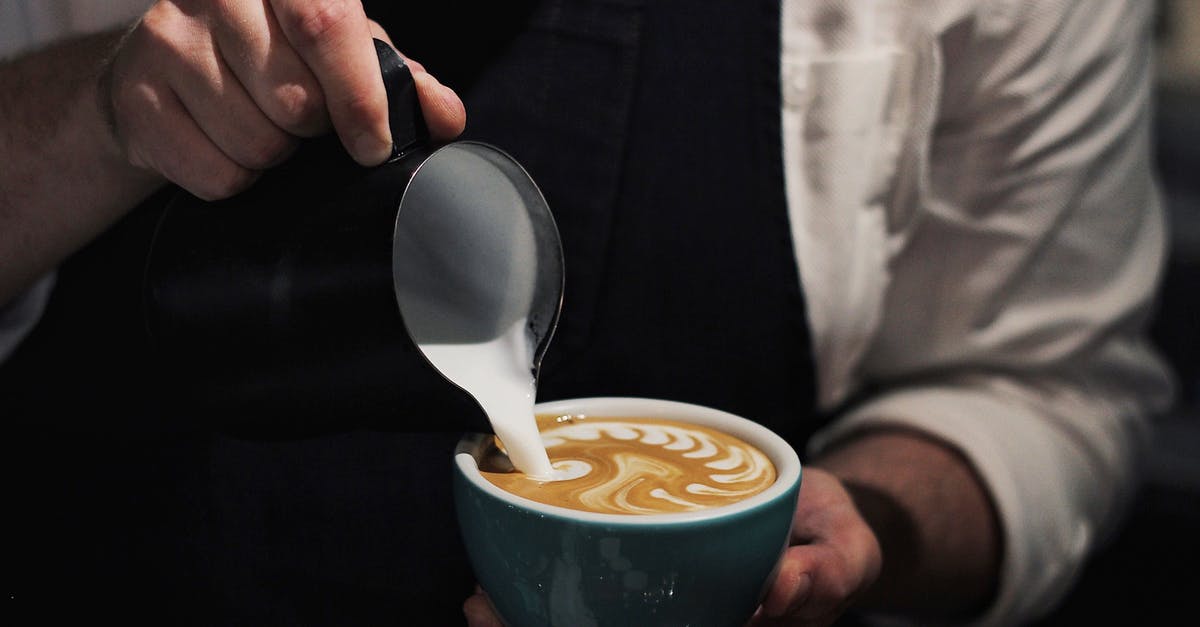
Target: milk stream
498,373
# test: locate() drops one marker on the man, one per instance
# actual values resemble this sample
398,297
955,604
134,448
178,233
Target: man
971,216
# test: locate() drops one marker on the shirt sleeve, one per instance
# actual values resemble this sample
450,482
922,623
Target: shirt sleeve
17,318
1013,321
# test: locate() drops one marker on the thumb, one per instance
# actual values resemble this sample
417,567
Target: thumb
479,613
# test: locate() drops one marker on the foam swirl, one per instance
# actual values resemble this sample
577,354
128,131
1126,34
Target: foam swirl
641,466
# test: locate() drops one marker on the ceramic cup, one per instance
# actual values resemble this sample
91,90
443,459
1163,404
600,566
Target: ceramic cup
547,565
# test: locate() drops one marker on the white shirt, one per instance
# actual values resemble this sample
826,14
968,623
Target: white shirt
978,234
27,24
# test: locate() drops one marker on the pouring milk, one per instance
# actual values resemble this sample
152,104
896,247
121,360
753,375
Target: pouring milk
498,373
478,276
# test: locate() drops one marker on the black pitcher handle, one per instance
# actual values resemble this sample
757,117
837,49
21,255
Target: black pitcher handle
404,107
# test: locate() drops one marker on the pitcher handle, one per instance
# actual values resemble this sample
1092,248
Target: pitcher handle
404,107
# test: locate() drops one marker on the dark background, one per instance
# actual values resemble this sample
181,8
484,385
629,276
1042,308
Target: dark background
1147,575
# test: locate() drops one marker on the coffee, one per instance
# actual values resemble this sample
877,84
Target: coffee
636,466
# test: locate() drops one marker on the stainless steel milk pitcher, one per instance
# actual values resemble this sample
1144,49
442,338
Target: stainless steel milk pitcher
302,304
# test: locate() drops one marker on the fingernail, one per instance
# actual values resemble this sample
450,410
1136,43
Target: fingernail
369,149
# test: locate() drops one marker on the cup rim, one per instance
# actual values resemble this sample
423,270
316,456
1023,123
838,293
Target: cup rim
781,454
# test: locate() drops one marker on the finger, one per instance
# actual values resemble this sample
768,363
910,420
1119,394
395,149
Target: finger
444,112
378,32
479,613
162,136
760,619
445,115
792,586
273,74
227,114
816,584
333,38
413,64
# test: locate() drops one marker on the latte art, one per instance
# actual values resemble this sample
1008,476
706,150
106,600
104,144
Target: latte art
640,466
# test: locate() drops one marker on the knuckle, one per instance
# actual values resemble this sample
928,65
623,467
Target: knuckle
298,109
131,104
318,19
161,26
125,97
835,593
157,20
222,182
364,110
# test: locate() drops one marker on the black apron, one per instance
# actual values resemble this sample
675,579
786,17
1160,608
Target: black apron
654,132
652,128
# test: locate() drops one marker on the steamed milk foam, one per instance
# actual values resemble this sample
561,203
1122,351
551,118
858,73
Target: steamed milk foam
498,374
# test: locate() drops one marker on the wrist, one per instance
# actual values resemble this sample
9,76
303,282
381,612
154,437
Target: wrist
932,516
99,114
898,538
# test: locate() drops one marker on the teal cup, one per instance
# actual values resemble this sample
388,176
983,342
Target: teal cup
547,565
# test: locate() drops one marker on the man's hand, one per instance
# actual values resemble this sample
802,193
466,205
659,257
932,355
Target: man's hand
208,93
833,557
